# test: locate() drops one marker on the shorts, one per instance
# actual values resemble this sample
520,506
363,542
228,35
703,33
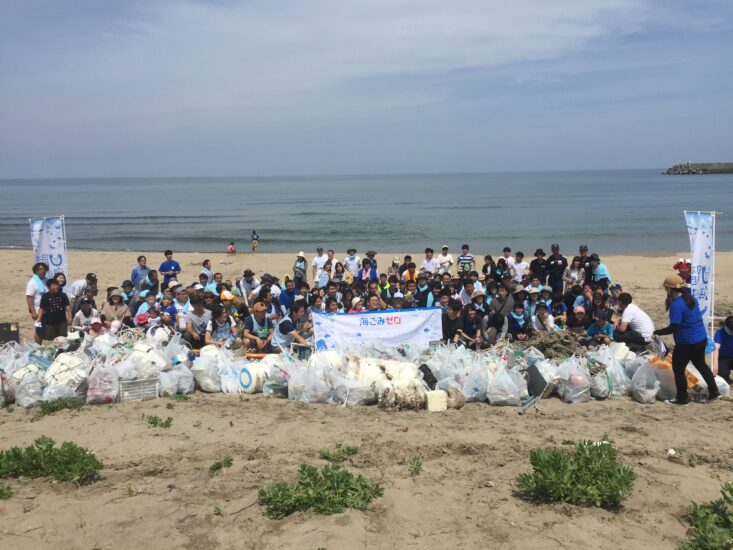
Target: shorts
54,331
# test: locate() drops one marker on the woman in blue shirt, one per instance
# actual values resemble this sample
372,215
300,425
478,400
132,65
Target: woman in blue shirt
690,339
723,356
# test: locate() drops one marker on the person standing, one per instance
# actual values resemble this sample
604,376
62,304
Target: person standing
352,262
169,268
255,241
556,265
54,311
445,260
538,267
690,337
140,271
723,354
466,263
317,263
430,264
601,276
206,270
34,290
300,269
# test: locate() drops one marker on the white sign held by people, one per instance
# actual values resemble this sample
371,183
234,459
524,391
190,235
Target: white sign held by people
701,227
417,327
48,239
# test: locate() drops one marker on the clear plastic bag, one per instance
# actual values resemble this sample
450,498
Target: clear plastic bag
723,386
476,382
310,385
104,385
644,385
29,391
229,378
168,382
351,393
575,382
601,386
52,393
507,388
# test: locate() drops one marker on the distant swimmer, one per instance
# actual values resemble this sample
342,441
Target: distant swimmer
255,241
231,249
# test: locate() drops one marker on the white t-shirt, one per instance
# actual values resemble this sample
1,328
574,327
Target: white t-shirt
510,261
638,321
318,262
432,265
76,289
520,270
352,265
32,290
548,325
445,261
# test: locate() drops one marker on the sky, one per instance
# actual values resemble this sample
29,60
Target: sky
92,88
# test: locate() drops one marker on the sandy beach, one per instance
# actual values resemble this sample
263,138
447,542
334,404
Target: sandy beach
157,490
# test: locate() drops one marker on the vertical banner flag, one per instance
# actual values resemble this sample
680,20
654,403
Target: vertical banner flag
49,244
701,227
417,327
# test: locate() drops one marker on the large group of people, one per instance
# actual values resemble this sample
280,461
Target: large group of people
507,298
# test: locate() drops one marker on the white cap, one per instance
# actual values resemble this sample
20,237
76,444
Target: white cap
398,295
198,287
355,300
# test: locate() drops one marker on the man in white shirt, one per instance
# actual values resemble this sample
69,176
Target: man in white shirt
445,260
519,268
635,327
247,284
77,288
429,264
317,263
352,262
507,253
35,288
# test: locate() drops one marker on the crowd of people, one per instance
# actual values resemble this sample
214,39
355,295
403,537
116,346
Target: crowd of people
507,298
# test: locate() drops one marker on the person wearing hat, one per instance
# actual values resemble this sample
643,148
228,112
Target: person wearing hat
723,354
300,269
54,311
430,264
579,321
546,293
533,298
258,329
538,267
445,260
116,310
556,265
372,255
83,318
317,263
519,294
96,328
247,285
398,300
690,338
357,304
352,262
182,306
585,262
599,332
129,294
601,276
683,267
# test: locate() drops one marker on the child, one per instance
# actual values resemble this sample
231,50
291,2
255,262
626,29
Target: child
560,310
518,322
546,296
97,327
542,320
530,305
599,332
231,249
579,322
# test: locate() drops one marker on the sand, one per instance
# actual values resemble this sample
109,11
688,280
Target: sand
157,491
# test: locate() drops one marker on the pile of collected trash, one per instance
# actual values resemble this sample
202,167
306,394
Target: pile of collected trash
133,366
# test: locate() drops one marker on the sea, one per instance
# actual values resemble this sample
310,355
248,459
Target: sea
613,212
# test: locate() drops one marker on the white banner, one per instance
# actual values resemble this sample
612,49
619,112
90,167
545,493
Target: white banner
417,327
49,244
700,226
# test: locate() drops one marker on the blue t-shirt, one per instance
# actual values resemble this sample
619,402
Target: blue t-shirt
692,329
726,343
594,329
171,265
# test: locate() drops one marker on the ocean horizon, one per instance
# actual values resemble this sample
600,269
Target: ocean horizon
612,211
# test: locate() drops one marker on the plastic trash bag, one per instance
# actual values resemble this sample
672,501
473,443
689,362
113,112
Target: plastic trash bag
475,383
644,385
575,382
310,385
206,371
533,356
29,391
351,393
186,382
600,387
229,378
52,393
507,388
168,382
104,385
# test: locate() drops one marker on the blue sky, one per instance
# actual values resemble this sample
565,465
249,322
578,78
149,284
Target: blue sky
169,88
